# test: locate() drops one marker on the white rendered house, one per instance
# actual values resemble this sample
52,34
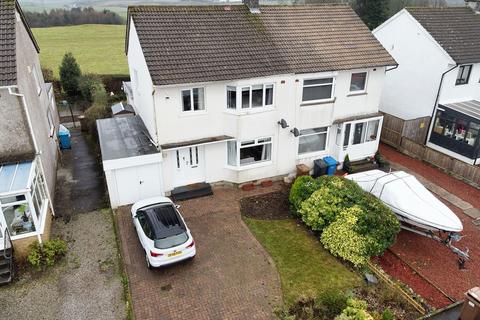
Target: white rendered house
438,52
232,93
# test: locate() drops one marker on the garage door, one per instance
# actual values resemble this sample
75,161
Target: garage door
137,183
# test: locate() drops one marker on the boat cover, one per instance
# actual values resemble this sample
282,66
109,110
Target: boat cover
408,199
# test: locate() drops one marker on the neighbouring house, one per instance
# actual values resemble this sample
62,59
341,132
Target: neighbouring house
28,142
435,91
238,93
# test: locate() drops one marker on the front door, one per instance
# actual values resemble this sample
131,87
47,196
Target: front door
3,226
189,166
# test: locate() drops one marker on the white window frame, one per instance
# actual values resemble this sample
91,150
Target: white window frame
309,154
192,110
366,83
256,142
250,107
37,80
51,133
332,95
364,136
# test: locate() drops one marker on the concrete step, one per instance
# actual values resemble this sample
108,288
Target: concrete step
191,191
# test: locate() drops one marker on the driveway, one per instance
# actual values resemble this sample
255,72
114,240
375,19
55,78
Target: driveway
232,277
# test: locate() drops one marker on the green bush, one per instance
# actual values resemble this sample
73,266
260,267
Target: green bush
382,163
330,303
47,253
341,239
387,314
69,75
373,226
88,84
347,167
302,189
355,310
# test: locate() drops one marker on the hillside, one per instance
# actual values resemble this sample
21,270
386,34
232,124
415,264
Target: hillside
98,48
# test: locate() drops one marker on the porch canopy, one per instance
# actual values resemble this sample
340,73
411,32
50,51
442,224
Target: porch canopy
23,199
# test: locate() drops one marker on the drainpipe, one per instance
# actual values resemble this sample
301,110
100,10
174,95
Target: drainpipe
436,100
35,145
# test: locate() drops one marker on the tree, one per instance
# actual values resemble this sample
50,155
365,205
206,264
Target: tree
69,75
372,12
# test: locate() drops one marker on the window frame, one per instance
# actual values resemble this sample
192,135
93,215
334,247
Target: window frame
255,142
364,87
192,107
461,70
37,80
332,94
239,99
309,154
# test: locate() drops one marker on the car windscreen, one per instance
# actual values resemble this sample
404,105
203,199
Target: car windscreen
172,241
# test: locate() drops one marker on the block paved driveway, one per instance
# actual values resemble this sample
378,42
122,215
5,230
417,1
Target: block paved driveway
232,277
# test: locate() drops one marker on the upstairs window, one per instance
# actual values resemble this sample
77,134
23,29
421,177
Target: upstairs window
358,82
193,99
255,96
317,89
463,74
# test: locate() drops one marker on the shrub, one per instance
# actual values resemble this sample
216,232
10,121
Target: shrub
48,75
387,314
47,253
69,75
341,239
347,167
382,163
330,303
302,189
355,310
87,85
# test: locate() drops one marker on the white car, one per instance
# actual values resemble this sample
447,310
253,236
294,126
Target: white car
164,236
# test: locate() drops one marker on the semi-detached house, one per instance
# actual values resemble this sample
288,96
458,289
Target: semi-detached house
240,92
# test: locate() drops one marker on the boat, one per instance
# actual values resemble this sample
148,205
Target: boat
417,209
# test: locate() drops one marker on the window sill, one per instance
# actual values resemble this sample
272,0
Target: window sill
193,113
360,93
250,166
317,102
242,112
311,155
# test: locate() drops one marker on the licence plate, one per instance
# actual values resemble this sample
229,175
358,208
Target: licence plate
174,254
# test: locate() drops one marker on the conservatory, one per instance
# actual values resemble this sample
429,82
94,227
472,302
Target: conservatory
23,201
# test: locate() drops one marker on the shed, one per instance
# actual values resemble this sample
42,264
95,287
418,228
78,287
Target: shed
131,161
122,109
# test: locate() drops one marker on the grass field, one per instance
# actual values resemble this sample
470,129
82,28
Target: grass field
305,267
98,49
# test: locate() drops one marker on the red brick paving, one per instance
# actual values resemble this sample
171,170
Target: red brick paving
433,260
232,277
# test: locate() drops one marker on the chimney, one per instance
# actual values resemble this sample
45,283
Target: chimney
474,5
253,5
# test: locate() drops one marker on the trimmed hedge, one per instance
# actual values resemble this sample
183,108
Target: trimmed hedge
355,224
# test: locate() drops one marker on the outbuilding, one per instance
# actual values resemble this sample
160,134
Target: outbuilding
131,161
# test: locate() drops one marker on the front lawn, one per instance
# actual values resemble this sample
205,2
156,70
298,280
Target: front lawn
305,267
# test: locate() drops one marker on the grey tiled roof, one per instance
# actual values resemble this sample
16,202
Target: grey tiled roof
188,44
457,30
8,68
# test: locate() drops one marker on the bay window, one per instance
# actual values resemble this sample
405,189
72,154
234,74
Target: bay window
312,140
249,97
243,153
317,89
193,99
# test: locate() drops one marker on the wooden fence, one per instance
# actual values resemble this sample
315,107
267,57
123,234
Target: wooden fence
409,137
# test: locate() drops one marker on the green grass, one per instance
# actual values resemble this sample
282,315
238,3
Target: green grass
305,267
98,49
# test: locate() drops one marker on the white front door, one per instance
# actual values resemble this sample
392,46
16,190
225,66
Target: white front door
189,166
3,225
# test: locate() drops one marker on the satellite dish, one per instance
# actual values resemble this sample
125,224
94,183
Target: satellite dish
283,123
295,132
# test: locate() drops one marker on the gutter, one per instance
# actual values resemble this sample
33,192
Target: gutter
35,145
436,101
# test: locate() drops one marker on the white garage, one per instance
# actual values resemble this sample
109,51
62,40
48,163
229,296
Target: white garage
131,162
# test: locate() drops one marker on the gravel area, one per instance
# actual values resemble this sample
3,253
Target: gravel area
86,284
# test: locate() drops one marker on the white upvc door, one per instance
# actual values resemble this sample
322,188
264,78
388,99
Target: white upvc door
189,166
3,226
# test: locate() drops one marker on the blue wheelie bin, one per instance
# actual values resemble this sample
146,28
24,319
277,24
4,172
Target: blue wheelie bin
64,138
331,165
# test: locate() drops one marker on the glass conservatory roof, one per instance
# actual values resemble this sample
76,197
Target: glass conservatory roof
15,176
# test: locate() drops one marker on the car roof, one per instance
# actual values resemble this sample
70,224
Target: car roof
164,220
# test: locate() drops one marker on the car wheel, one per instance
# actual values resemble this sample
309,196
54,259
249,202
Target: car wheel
149,266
